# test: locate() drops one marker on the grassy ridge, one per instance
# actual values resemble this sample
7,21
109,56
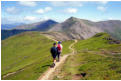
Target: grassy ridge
95,58
28,54
97,43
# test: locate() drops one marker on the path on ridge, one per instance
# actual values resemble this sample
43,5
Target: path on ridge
48,73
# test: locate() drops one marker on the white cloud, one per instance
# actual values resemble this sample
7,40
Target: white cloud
11,10
48,9
12,20
41,11
101,8
28,3
111,18
66,3
103,2
45,18
21,19
30,18
71,10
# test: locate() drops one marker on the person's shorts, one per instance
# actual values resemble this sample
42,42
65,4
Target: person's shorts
54,56
58,53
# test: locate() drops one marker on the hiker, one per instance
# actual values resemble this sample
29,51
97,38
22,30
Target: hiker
54,53
59,50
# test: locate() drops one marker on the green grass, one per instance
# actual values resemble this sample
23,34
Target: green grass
97,43
90,59
95,66
66,45
28,51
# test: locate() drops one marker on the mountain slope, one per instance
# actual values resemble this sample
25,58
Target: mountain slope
76,28
96,59
39,26
112,27
27,55
57,35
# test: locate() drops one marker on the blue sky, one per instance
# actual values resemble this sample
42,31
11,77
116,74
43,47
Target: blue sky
30,12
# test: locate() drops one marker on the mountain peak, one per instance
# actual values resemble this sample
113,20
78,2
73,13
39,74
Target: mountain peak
73,18
50,20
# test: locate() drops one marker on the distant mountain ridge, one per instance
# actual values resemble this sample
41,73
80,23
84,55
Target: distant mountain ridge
77,28
39,26
10,26
72,28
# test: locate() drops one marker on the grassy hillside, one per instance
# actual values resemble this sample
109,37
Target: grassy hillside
96,57
66,45
28,55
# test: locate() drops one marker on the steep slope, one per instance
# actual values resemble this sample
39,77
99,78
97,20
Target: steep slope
97,58
76,28
112,27
26,56
57,35
39,26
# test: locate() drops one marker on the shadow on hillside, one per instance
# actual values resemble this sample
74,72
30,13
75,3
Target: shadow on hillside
46,65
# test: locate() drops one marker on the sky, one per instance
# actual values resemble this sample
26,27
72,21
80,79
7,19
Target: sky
36,11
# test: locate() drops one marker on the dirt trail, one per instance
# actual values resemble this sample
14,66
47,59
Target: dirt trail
49,72
50,38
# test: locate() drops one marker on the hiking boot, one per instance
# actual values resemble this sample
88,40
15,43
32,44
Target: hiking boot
52,66
58,60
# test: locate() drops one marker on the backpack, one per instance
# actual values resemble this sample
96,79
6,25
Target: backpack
59,47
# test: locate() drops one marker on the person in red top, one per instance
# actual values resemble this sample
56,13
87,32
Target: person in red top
59,50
